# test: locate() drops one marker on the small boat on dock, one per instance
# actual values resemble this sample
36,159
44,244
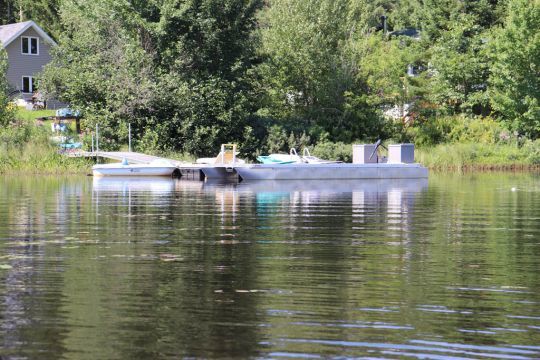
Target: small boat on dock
290,158
158,167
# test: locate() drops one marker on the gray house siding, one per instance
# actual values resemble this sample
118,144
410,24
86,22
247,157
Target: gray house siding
23,64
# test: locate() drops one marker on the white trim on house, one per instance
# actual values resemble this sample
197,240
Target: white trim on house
29,24
31,81
30,45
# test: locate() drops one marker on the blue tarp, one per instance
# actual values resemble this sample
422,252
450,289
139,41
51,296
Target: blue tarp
67,112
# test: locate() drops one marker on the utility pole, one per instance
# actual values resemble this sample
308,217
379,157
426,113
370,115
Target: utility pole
384,19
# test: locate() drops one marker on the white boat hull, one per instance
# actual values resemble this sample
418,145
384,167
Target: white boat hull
331,171
132,170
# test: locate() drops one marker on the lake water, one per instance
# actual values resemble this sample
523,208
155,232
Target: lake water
118,269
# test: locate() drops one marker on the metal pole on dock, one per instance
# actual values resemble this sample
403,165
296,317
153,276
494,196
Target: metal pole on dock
129,137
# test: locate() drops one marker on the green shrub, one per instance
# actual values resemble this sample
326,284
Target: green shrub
277,139
456,129
481,130
333,151
532,150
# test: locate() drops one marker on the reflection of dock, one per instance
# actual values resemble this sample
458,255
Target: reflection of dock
327,186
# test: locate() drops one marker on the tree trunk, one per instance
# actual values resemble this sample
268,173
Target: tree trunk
21,13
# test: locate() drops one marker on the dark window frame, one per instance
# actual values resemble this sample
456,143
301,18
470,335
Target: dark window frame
31,85
29,47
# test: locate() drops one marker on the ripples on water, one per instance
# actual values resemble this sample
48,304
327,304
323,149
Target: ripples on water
138,269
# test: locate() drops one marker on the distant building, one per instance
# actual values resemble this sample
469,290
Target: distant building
28,51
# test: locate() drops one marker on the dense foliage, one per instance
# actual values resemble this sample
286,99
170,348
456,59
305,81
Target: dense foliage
191,74
515,69
43,12
5,112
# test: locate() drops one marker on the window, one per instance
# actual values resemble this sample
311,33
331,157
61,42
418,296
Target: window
28,84
30,45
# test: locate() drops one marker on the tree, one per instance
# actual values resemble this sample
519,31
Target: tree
204,38
6,114
453,43
460,67
383,65
100,67
515,70
43,12
177,70
309,76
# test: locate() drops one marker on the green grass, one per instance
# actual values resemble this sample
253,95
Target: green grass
477,156
40,159
27,148
27,115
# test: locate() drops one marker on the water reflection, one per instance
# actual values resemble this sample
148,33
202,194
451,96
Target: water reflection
161,268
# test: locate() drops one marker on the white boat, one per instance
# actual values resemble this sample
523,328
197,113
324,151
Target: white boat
158,167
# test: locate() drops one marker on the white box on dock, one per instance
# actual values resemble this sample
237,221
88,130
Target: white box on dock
362,153
401,154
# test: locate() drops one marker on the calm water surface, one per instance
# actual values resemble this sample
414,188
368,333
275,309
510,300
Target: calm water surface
120,269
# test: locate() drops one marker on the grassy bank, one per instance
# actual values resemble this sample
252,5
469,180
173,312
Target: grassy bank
478,156
26,148
40,159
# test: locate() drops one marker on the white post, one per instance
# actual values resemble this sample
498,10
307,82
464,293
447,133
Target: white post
129,138
97,138
92,143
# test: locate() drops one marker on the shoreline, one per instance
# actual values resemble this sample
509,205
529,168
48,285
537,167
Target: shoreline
77,169
487,168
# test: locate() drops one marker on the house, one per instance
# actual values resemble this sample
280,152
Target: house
28,51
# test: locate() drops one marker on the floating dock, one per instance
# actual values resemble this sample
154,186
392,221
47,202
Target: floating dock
230,170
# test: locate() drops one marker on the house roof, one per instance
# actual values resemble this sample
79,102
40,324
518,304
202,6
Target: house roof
10,32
